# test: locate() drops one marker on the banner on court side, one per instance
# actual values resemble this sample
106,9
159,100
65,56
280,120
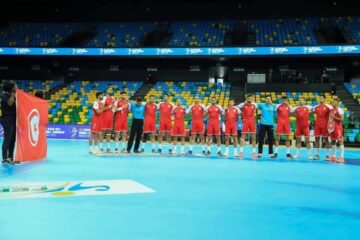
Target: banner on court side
60,131
32,118
71,189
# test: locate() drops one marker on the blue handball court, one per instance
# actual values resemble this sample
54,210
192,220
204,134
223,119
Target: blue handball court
75,195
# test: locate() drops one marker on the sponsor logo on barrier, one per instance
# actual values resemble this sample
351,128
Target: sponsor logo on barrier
107,51
49,51
79,51
71,189
33,123
22,50
1,50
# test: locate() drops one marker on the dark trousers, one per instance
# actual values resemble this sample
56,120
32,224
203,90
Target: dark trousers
9,126
136,130
269,129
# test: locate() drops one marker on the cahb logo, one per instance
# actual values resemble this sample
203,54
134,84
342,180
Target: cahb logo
33,123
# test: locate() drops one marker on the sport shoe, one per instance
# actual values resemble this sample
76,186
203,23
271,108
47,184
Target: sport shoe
275,155
159,150
123,150
241,154
182,153
170,151
317,157
221,154
340,160
328,158
116,150
254,154
332,159
259,155
142,150
108,150
190,152
153,150
289,156
311,157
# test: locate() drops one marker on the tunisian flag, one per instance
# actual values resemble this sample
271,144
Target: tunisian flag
32,118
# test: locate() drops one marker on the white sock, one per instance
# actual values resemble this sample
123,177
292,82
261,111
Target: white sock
235,152
108,145
342,150
276,149
182,148
174,147
101,145
123,145
96,147
227,150
287,150
142,145
116,144
309,151
160,146
153,145
241,149
298,151
191,147
327,151
219,148
254,150
334,150
203,147
317,150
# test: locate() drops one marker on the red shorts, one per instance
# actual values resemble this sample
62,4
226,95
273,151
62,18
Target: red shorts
302,130
337,134
165,127
107,123
213,128
231,129
283,128
321,130
178,130
95,127
197,128
248,127
121,125
149,127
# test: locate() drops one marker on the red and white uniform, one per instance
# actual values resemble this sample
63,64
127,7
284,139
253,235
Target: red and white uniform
322,117
231,115
302,121
283,119
97,119
108,115
150,118
197,118
165,116
121,117
248,115
179,122
337,134
214,114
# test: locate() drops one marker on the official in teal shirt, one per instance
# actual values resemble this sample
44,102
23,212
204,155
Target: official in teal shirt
138,110
266,125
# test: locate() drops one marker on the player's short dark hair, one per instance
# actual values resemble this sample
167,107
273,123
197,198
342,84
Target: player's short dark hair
267,96
165,94
322,95
336,99
249,95
123,92
152,96
284,97
231,99
197,95
98,94
8,86
138,99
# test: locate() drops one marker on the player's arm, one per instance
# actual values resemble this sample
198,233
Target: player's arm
241,105
97,108
188,110
341,115
205,110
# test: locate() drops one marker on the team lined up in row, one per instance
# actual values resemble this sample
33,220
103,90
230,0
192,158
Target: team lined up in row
172,124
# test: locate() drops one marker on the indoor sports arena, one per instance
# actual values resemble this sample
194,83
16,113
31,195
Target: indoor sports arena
180,120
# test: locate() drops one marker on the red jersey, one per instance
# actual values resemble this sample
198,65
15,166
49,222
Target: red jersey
165,111
322,113
124,113
248,111
179,115
231,114
337,112
302,115
150,111
108,101
283,113
97,116
197,112
214,112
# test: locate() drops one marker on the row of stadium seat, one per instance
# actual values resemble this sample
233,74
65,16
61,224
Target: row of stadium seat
354,89
292,31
